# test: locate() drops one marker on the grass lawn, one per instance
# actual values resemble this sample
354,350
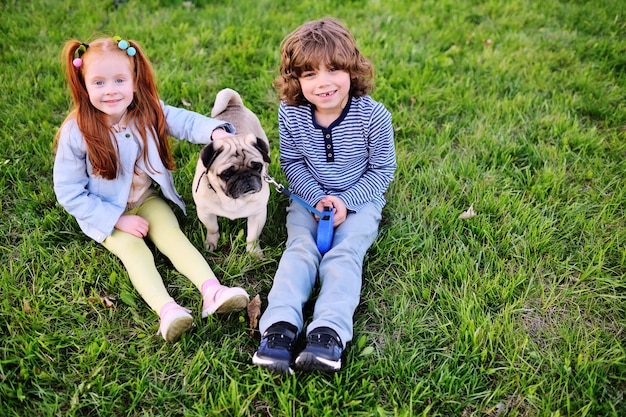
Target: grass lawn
515,107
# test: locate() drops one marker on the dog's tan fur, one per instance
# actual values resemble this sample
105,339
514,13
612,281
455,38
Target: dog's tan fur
229,173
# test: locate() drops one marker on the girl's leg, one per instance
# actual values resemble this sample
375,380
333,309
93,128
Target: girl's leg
167,236
341,270
139,262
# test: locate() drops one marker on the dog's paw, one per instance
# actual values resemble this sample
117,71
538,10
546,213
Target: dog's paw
211,241
255,250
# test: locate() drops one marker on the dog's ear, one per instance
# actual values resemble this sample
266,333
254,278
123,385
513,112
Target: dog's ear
208,154
261,145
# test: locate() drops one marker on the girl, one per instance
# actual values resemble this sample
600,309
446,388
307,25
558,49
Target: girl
112,152
337,150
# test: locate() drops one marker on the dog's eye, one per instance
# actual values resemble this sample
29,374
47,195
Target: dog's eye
227,174
257,166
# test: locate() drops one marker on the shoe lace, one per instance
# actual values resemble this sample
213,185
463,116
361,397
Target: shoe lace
323,339
280,341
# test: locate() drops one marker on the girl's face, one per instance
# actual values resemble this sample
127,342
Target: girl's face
327,89
110,84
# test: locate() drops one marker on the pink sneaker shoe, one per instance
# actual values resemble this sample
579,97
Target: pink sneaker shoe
223,299
175,320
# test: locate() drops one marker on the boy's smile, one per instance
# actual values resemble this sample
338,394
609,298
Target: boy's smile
328,89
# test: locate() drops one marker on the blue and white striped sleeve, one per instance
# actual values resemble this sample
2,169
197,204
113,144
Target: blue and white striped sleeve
292,162
381,164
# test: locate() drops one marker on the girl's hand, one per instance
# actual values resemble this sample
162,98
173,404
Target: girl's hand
135,225
341,211
219,133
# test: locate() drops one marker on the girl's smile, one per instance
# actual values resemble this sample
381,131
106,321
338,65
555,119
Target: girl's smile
110,84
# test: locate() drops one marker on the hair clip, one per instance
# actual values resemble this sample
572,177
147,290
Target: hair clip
78,53
124,46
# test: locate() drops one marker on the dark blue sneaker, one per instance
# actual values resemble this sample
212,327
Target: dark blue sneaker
276,348
322,352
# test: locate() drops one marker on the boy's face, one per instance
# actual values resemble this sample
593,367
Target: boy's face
328,89
110,84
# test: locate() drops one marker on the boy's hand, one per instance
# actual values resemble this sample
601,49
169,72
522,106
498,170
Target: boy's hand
135,225
341,211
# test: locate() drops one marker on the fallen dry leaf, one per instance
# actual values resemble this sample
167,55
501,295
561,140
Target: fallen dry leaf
107,303
186,103
468,214
254,312
26,306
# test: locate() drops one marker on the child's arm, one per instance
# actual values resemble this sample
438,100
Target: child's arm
381,163
95,215
293,165
194,127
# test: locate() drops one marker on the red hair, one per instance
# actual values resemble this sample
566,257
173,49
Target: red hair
145,110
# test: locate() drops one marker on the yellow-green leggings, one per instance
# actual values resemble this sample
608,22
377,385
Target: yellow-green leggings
164,231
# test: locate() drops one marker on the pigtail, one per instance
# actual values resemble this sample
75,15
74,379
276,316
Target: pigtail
75,81
147,110
74,75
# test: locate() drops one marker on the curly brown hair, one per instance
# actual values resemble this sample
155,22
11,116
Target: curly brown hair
325,41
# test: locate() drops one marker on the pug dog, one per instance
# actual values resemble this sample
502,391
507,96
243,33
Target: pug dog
229,179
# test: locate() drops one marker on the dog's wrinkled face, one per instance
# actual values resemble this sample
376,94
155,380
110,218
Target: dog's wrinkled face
235,165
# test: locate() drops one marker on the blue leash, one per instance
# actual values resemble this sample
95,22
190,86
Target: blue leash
325,229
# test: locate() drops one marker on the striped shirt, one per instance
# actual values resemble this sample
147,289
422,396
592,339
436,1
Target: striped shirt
354,158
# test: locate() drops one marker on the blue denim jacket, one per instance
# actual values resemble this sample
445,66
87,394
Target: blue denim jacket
98,203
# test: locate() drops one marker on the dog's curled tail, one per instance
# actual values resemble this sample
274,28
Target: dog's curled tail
223,98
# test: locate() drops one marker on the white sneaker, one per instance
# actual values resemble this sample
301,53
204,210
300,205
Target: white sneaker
175,320
222,299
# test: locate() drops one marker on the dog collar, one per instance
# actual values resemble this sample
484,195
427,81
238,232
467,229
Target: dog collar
208,183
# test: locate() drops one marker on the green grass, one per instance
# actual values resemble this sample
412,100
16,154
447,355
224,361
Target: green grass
514,107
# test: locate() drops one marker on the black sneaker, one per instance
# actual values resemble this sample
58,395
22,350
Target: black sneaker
322,352
275,350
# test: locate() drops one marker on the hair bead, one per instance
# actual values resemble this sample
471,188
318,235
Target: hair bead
78,53
124,45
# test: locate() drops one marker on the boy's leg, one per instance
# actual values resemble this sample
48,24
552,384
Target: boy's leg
282,320
297,271
340,272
